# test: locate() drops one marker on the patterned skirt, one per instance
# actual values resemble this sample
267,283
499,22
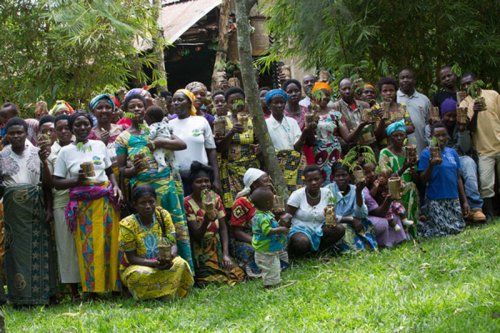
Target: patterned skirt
353,241
292,164
443,217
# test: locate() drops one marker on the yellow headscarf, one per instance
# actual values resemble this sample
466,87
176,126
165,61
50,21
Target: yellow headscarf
191,97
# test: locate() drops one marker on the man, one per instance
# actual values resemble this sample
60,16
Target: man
307,84
368,94
485,125
448,81
7,111
30,276
417,105
351,110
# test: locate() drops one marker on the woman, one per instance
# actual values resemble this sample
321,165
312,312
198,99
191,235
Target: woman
307,207
91,213
195,131
327,148
394,158
220,105
241,220
388,87
30,274
378,207
167,184
67,259
209,237
61,107
293,89
103,107
199,90
237,147
445,203
351,211
287,138
144,273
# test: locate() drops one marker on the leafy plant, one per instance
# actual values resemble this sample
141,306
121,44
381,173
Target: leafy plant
474,88
357,156
80,146
434,142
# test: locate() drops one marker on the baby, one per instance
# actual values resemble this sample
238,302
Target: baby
269,238
159,129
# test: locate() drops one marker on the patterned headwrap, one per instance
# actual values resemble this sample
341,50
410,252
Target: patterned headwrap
273,93
196,85
321,85
97,99
396,126
59,107
448,105
138,91
191,97
369,86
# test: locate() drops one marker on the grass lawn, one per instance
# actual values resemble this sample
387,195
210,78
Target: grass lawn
450,284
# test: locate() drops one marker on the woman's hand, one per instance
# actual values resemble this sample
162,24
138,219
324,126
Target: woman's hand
465,209
227,263
163,264
357,225
238,128
117,193
360,186
82,178
44,154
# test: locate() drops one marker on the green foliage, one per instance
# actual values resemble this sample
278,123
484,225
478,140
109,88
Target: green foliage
379,38
80,146
448,284
434,142
474,88
60,49
357,156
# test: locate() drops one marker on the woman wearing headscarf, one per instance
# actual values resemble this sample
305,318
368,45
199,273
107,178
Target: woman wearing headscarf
237,148
132,148
103,107
196,133
288,140
393,158
241,220
330,127
200,91
61,107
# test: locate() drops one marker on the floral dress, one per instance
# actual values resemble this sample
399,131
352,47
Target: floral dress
327,149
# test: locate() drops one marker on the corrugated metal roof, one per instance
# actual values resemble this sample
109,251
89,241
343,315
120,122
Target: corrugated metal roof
176,18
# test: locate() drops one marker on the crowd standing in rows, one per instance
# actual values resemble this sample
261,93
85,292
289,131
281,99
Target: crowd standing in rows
133,194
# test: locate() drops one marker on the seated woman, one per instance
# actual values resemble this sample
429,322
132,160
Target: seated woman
445,200
351,211
379,205
209,236
307,207
145,273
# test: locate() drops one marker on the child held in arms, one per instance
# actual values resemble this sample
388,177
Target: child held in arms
159,129
269,238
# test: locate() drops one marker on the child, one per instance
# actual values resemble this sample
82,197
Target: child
378,190
159,129
269,238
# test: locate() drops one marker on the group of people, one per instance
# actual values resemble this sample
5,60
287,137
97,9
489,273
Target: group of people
154,196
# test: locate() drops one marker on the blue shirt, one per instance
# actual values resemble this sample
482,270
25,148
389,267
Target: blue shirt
262,241
346,203
443,183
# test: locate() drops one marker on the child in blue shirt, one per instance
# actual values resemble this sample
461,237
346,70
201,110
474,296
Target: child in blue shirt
269,238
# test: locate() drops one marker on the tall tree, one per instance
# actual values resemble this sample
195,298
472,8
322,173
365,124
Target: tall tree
61,49
378,38
252,91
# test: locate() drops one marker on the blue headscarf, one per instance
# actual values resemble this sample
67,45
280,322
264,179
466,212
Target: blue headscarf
396,126
448,105
97,99
273,93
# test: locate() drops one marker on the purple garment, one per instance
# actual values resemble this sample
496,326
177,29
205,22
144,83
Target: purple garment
207,116
386,235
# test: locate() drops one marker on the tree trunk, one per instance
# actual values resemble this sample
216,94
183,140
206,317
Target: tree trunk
252,92
158,45
222,40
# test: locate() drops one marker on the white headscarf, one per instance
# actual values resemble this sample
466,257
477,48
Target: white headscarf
249,178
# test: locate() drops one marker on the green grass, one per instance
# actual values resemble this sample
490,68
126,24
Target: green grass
448,285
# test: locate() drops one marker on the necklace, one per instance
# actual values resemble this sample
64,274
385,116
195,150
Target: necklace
313,197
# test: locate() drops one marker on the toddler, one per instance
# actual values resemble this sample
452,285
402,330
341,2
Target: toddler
159,129
269,238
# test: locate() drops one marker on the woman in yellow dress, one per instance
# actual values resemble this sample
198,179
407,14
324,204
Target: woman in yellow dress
145,272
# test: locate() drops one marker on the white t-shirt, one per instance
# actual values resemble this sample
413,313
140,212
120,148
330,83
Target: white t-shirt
284,135
307,216
195,131
70,158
